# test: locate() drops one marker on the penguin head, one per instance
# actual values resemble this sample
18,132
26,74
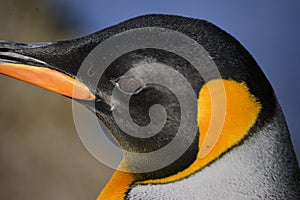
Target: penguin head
152,85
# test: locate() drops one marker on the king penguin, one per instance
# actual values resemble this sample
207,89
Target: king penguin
249,157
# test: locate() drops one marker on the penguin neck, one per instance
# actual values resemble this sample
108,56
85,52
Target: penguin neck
262,166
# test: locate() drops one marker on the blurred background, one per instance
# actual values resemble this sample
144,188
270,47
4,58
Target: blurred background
41,156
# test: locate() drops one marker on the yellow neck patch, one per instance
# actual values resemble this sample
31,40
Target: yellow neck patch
117,186
226,112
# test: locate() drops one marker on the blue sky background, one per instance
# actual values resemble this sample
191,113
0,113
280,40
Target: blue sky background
270,30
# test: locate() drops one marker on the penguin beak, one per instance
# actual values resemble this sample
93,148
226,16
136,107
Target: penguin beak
40,73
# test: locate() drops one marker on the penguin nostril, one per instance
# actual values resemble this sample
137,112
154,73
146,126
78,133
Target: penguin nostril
9,59
4,49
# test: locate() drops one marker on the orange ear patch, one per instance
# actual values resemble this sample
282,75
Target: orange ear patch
226,112
241,110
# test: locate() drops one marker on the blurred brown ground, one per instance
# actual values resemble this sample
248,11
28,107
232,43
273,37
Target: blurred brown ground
41,156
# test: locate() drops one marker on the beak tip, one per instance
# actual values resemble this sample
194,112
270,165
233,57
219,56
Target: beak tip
91,97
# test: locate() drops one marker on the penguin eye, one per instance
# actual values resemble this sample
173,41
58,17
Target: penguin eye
129,85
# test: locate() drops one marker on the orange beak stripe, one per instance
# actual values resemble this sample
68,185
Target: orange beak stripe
49,79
